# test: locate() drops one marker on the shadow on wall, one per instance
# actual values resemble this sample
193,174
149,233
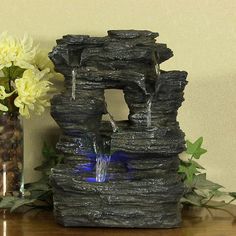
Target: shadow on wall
37,130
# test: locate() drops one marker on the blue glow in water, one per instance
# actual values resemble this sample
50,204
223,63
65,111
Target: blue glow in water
118,157
100,163
91,179
84,168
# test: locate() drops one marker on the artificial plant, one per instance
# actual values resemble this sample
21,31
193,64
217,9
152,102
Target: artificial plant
25,73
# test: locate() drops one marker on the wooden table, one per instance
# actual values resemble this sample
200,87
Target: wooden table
196,222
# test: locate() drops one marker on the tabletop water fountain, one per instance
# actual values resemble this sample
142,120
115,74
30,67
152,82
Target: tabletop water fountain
117,173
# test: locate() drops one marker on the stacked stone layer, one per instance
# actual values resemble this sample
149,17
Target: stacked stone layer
143,188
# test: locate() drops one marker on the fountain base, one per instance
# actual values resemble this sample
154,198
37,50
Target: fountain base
142,193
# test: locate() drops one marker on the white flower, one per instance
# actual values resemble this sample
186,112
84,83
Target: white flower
33,92
17,52
42,61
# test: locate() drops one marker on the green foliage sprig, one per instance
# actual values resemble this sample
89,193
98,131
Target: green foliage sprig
37,194
199,190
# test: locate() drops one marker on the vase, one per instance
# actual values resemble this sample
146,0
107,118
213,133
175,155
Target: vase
11,154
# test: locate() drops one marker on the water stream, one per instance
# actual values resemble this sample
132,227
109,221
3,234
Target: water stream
103,160
113,123
112,120
73,86
95,146
152,96
149,112
102,163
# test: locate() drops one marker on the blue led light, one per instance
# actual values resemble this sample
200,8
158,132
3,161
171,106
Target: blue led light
94,165
91,180
81,168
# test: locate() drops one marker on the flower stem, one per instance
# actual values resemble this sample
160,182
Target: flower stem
9,85
221,205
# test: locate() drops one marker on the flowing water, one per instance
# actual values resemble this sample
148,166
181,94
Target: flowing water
149,112
158,73
95,146
112,121
73,86
103,160
102,163
152,96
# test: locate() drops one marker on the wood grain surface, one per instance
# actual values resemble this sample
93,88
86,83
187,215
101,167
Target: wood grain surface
196,222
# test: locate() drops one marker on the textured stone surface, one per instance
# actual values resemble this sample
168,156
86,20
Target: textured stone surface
138,203
142,187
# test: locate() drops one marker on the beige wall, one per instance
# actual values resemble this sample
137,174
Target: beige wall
202,34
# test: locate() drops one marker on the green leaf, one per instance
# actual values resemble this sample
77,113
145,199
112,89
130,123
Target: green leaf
200,182
192,147
14,202
21,202
183,169
51,159
8,201
189,169
4,82
232,194
201,192
38,186
191,172
198,190
218,193
195,149
48,151
197,165
199,152
16,71
6,72
40,192
192,198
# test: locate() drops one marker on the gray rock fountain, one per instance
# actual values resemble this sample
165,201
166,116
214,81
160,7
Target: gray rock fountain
117,174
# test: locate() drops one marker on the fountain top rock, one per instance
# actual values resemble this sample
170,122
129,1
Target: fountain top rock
127,60
130,34
120,45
